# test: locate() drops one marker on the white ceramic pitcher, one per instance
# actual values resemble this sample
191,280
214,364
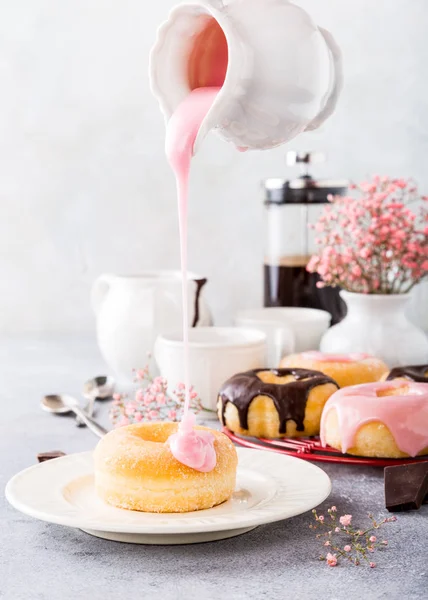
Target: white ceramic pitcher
280,73
132,311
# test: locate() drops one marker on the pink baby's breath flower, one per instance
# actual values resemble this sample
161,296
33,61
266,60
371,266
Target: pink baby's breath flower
372,244
401,183
331,560
181,387
345,520
151,401
372,565
147,399
117,397
140,374
353,548
161,399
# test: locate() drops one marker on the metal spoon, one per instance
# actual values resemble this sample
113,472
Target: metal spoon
97,388
64,404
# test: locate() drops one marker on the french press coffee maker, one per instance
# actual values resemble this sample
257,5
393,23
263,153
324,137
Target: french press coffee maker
291,205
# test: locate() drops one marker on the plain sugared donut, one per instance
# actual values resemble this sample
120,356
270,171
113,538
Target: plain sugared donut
384,419
275,403
135,469
346,369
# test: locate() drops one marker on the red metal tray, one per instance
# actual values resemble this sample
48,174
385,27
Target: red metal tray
312,449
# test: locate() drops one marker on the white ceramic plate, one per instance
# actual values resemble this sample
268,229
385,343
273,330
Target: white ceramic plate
270,487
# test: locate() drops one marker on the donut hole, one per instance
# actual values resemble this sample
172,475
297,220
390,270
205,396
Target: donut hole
271,377
154,432
393,391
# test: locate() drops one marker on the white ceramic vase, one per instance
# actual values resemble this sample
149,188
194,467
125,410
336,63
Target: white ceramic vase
377,324
132,311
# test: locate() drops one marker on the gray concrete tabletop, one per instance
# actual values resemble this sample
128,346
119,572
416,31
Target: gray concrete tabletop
42,561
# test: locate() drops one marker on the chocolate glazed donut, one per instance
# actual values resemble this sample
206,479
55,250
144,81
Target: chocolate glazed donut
415,373
289,398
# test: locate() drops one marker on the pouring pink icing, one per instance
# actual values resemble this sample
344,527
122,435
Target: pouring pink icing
405,415
325,357
192,447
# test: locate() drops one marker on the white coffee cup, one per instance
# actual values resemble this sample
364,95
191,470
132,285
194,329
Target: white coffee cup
287,329
215,354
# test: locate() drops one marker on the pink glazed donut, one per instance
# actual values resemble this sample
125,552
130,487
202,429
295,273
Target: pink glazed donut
386,419
345,369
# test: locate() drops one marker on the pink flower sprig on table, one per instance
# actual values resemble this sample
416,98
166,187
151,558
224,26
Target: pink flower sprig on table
347,542
151,401
373,243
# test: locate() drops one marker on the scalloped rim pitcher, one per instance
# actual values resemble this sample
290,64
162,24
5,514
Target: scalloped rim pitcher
280,74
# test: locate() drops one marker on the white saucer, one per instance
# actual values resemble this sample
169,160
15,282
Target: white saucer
270,487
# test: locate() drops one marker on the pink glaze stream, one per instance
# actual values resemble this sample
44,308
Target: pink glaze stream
406,416
192,447
325,357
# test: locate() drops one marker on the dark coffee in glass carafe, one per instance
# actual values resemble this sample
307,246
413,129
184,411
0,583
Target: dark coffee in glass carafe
290,207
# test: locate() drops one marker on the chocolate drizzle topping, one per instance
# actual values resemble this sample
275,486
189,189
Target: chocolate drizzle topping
412,372
289,398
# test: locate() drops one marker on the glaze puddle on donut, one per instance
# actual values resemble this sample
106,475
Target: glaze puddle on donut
402,407
325,357
189,446
192,447
289,397
418,373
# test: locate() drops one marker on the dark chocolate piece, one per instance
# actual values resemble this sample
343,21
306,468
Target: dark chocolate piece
412,372
289,398
43,456
406,486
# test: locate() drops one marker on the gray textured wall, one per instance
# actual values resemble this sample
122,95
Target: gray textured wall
84,185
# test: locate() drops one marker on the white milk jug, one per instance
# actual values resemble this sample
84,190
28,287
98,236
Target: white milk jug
132,311
280,74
